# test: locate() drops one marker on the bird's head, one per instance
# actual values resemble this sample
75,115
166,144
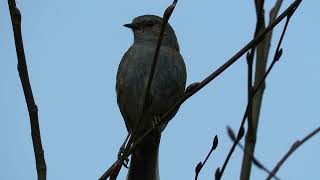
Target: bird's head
146,29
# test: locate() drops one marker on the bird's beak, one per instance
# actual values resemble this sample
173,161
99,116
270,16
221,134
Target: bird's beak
131,26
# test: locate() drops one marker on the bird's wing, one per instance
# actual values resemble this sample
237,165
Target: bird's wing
119,87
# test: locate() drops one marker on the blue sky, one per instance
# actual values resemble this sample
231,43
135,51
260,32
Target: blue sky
73,49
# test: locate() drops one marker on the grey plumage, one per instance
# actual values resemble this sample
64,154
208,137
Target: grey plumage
167,87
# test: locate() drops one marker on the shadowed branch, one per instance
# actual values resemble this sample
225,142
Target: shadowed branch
24,77
294,147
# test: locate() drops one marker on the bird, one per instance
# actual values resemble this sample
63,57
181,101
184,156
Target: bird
168,86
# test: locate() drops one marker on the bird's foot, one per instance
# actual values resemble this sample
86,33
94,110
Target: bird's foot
155,124
126,160
121,151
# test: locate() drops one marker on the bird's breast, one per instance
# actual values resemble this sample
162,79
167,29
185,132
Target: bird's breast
167,86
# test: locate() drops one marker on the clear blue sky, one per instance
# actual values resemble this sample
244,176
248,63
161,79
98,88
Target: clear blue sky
73,49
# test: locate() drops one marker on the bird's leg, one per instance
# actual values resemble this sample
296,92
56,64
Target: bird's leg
121,150
156,122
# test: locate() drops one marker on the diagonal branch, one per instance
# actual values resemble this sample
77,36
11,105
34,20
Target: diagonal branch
294,147
24,77
163,119
147,98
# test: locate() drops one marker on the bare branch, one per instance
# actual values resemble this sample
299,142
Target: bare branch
24,77
293,148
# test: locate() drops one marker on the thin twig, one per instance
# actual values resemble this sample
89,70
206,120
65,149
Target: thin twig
24,77
201,164
146,101
250,56
293,148
276,57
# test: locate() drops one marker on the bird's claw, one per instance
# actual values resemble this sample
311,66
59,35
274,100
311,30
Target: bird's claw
126,160
156,121
155,124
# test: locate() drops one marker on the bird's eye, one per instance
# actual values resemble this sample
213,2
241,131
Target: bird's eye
150,24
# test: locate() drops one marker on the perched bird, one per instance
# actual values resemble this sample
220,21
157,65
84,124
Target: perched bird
168,85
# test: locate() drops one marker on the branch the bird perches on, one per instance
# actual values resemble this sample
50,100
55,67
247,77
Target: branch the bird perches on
115,167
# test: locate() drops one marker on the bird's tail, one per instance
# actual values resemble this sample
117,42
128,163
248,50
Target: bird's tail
144,160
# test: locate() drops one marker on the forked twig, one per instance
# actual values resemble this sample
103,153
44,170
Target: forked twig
294,147
24,77
201,164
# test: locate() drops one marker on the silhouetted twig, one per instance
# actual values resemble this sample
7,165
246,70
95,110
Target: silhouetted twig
276,57
294,147
24,77
146,102
201,164
249,58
